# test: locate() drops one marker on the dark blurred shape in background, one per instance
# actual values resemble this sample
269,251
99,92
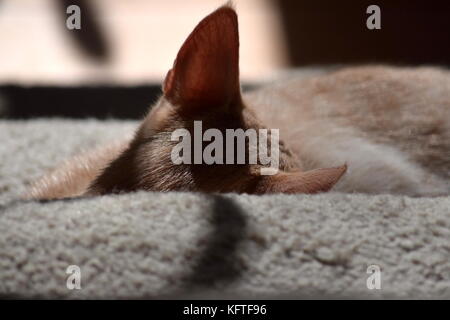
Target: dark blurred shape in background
91,38
330,32
114,65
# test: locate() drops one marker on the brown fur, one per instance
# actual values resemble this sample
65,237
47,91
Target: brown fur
391,125
408,108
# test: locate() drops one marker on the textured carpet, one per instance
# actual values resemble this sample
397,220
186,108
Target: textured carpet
153,245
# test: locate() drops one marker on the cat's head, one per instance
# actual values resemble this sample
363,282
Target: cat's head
203,88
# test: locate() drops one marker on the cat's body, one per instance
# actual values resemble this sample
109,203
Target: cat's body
391,126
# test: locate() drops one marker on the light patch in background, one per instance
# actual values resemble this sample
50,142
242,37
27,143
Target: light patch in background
144,38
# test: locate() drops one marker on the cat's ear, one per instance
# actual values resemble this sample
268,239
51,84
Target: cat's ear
314,181
206,70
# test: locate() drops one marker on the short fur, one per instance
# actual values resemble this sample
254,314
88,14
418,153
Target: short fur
390,126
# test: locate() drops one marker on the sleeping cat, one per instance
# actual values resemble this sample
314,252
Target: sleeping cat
372,129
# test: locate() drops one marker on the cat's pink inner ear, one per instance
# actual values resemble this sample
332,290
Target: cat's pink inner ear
313,181
206,70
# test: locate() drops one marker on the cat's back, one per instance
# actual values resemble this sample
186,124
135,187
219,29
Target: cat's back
401,109
361,94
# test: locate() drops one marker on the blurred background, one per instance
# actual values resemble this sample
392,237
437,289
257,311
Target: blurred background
113,65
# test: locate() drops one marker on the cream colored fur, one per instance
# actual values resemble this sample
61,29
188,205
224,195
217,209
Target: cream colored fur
390,125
